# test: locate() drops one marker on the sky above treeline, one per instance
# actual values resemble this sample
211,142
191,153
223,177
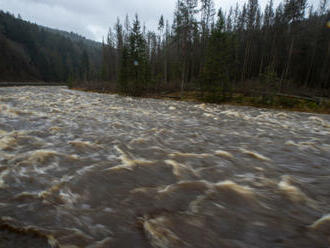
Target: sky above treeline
92,19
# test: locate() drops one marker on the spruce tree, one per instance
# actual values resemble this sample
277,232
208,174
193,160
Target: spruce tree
135,69
216,74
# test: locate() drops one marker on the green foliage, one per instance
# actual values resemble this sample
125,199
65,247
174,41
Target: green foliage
214,96
294,10
218,66
269,77
84,66
312,105
289,47
135,75
270,84
287,102
283,48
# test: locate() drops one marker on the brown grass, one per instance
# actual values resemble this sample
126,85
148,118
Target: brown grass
237,100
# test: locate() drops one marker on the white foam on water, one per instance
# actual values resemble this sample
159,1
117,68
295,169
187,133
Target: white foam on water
320,121
255,155
55,129
7,111
190,155
202,106
139,140
57,185
201,185
84,144
7,142
2,181
291,143
323,221
82,116
41,156
281,115
100,230
304,145
52,241
178,169
225,154
219,205
159,234
68,197
128,162
108,210
86,169
209,115
2,132
230,185
264,116
227,185
26,195
194,206
293,192
231,113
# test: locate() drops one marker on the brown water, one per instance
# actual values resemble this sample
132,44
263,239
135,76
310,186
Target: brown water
90,170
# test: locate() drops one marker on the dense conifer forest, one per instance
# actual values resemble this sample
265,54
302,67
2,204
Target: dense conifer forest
29,52
283,49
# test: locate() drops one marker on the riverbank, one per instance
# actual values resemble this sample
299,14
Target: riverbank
270,102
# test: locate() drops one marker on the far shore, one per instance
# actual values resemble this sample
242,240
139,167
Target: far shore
236,100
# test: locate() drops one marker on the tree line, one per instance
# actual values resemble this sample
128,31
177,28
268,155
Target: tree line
277,49
29,52
282,49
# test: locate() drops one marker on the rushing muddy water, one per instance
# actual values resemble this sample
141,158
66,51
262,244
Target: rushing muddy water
90,170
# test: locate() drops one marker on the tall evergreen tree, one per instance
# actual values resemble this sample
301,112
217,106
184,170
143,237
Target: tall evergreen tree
217,71
184,26
135,70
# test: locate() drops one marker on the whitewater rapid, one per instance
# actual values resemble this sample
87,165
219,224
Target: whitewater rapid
90,170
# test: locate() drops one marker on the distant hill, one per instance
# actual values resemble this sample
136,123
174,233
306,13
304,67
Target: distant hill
30,52
74,37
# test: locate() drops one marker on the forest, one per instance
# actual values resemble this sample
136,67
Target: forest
278,49
216,54
29,52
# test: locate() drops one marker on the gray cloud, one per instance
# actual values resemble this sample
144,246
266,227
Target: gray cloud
93,18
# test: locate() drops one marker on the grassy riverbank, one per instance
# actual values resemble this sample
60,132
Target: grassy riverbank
271,102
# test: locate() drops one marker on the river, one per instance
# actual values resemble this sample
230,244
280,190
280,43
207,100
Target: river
90,170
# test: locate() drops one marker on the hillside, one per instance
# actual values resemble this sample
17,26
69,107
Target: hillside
29,52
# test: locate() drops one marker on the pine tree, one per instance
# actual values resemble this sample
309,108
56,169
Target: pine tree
294,10
135,69
219,62
184,26
123,73
268,15
85,66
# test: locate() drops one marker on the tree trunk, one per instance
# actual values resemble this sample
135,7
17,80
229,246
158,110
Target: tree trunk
183,78
286,71
247,51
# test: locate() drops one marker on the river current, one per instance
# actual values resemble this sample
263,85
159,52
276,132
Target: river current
93,170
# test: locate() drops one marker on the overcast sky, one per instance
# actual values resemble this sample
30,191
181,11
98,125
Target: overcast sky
92,18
